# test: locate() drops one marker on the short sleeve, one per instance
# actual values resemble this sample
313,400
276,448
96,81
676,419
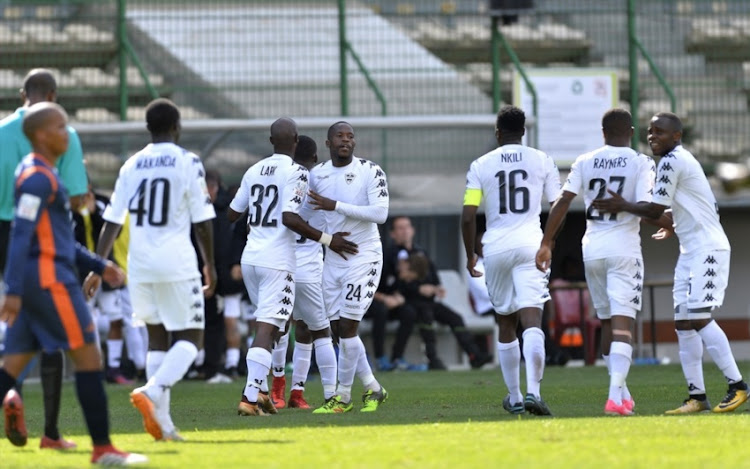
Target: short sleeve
201,208
574,182
644,190
551,180
295,189
472,177
117,210
71,168
242,197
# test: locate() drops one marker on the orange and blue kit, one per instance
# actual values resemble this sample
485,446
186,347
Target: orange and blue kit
43,257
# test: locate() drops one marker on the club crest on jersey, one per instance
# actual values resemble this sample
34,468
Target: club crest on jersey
349,177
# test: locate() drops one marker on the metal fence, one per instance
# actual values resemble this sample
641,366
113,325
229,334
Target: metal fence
327,58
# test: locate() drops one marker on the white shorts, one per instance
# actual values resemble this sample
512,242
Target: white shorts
700,280
348,290
272,291
176,305
232,305
514,282
308,306
615,285
110,304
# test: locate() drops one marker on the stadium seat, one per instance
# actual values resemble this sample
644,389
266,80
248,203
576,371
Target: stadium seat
569,306
457,298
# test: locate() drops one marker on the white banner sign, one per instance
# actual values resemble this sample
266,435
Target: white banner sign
570,103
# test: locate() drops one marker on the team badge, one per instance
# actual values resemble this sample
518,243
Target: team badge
349,177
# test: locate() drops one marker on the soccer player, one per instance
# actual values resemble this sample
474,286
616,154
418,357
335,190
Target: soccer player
702,270
352,194
39,86
44,306
312,325
611,245
164,190
273,190
512,179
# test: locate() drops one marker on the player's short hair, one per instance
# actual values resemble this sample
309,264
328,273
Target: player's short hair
332,128
213,176
39,82
511,119
162,116
617,122
672,118
306,149
419,264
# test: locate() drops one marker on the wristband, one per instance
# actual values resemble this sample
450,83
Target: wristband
325,239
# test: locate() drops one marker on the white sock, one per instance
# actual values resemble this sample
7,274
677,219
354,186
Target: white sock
691,359
175,364
349,351
136,347
114,352
301,359
718,347
200,357
620,356
233,357
625,391
533,352
278,361
154,359
510,364
258,364
364,370
325,357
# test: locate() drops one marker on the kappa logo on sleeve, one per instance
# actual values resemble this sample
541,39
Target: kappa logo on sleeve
28,207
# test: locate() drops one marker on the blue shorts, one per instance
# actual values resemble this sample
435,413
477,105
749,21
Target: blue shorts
51,319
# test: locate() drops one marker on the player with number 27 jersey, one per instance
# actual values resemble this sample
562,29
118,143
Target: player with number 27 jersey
512,180
621,170
164,189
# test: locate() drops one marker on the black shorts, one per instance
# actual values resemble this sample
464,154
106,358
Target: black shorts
4,240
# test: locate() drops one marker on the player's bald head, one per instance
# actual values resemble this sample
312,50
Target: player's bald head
617,123
39,115
284,136
39,82
668,120
306,152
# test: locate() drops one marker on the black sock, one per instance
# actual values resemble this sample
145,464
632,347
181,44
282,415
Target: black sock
93,399
6,383
699,397
51,371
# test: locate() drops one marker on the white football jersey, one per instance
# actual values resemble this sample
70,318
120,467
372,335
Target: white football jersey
309,253
513,179
269,188
622,170
163,187
362,186
682,184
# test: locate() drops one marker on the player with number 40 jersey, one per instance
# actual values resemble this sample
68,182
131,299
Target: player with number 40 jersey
164,190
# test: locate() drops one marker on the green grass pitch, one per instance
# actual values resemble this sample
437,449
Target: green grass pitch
435,419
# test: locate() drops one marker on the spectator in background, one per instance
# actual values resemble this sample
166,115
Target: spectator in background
424,299
389,304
